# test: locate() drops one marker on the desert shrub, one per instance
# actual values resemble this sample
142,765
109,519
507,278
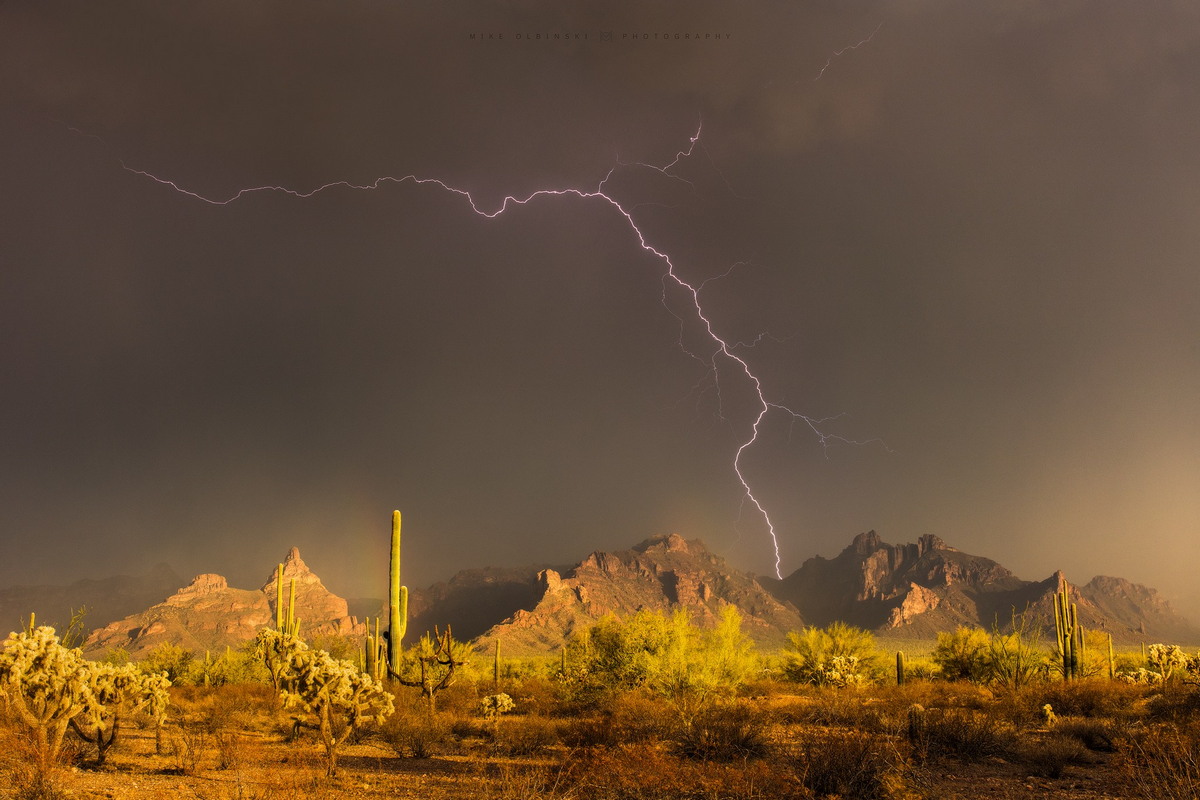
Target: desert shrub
414,733
647,772
508,781
230,667
527,735
963,654
1050,756
726,732
666,655
1163,763
536,694
190,743
171,659
846,709
1098,735
963,733
635,717
1015,658
1088,697
850,764
839,654
1180,708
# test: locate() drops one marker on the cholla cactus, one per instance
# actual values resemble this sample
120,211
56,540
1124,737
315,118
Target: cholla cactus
1168,658
1142,676
841,671
118,689
336,694
277,650
1192,669
1048,715
492,706
47,685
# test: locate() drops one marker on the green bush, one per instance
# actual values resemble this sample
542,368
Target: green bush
963,654
838,655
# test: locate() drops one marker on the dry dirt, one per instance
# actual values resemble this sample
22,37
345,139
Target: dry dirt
261,767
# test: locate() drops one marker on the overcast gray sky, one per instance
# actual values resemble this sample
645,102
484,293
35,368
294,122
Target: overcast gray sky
968,228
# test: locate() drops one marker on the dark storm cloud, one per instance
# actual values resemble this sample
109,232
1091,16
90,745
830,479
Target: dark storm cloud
974,234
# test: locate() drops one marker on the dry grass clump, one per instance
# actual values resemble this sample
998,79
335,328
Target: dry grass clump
852,764
1097,735
963,733
412,732
635,717
726,732
649,772
1088,697
528,735
1049,756
1162,762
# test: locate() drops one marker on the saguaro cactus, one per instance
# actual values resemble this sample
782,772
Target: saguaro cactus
1069,632
397,600
900,668
285,618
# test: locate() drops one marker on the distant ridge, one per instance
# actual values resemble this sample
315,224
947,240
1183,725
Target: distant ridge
105,599
911,590
922,588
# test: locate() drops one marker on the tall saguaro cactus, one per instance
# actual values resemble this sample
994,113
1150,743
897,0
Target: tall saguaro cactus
1069,633
397,600
285,621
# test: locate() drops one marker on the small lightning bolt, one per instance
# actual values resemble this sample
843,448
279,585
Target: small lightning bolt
724,352
847,49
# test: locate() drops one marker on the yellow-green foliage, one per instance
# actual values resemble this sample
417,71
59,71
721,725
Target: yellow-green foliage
963,654
837,655
666,654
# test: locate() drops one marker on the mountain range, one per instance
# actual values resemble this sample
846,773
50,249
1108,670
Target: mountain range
907,591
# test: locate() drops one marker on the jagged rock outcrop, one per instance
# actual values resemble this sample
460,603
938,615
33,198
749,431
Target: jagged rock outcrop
208,614
923,588
663,573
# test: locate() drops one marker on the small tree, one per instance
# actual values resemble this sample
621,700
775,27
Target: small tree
47,685
963,654
809,655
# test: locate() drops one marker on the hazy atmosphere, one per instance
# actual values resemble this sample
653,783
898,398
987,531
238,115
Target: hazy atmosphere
965,235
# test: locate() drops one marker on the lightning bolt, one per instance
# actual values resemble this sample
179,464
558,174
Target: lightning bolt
846,49
724,352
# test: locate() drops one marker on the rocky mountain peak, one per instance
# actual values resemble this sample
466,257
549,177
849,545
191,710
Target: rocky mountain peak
866,543
208,613
201,585
670,543
293,568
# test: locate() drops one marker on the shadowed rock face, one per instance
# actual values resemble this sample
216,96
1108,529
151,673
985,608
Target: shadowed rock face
922,588
208,614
